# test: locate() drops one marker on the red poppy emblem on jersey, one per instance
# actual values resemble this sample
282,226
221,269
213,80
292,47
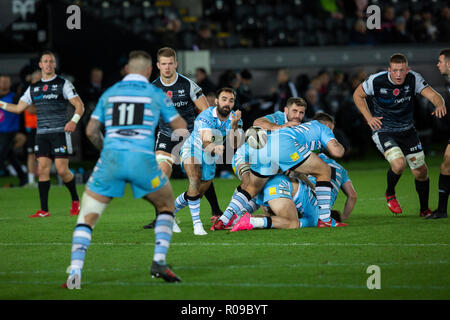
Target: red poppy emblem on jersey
45,88
170,94
396,92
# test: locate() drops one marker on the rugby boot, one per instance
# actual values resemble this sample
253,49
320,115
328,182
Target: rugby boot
437,215
393,204
426,213
40,214
217,225
163,271
330,224
74,279
243,223
75,209
151,225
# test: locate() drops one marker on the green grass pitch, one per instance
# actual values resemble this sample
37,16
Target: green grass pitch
413,254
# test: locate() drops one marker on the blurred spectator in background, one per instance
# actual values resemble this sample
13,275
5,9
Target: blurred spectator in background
30,129
424,28
227,78
302,83
400,34
92,92
314,104
90,95
360,35
204,82
205,40
444,25
284,90
331,8
245,100
9,127
338,92
171,35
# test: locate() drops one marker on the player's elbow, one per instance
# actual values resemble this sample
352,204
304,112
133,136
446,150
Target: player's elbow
337,152
178,123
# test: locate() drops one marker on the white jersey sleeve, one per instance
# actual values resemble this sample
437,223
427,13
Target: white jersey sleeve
69,91
420,82
195,91
26,97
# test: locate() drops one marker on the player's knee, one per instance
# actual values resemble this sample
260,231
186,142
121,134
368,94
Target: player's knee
421,173
91,210
396,159
164,159
445,165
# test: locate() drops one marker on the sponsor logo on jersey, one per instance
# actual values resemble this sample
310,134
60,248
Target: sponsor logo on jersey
284,192
36,89
383,91
181,92
180,104
295,156
407,89
54,87
396,92
45,88
50,96
272,191
162,145
169,94
156,182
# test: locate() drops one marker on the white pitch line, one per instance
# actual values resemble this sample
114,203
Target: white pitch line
251,266
225,244
210,284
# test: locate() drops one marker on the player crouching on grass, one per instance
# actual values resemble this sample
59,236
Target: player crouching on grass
202,149
282,195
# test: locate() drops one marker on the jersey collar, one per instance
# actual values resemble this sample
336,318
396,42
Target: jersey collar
390,80
214,113
135,77
52,78
170,84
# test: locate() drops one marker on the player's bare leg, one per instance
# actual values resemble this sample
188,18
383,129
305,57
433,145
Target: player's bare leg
195,191
44,164
165,161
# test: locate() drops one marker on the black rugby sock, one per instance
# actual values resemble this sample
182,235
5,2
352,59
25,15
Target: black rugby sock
211,196
392,180
73,189
423,189
444,190
44,187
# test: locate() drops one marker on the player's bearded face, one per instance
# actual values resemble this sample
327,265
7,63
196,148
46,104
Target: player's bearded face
225,103
398,72
295,113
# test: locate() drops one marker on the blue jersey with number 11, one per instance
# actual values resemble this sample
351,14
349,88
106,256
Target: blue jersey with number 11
130,111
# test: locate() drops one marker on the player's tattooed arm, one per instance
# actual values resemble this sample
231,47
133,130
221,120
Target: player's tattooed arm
335,149
94,133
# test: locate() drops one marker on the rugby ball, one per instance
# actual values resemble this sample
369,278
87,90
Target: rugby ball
256,137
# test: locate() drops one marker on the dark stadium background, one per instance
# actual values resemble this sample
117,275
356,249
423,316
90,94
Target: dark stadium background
236,40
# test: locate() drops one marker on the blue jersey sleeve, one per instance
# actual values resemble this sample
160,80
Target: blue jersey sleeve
99,111
277,118
344,176
203,121
168,111
326,135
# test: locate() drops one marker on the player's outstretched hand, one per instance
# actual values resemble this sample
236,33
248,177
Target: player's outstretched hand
440,111
70,126
235,119
375,123
218,150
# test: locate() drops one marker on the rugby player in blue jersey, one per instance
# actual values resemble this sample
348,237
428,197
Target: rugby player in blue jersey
129,111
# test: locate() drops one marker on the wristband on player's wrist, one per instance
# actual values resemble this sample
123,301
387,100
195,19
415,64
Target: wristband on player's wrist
76,117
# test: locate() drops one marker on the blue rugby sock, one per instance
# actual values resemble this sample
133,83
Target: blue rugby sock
163,235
